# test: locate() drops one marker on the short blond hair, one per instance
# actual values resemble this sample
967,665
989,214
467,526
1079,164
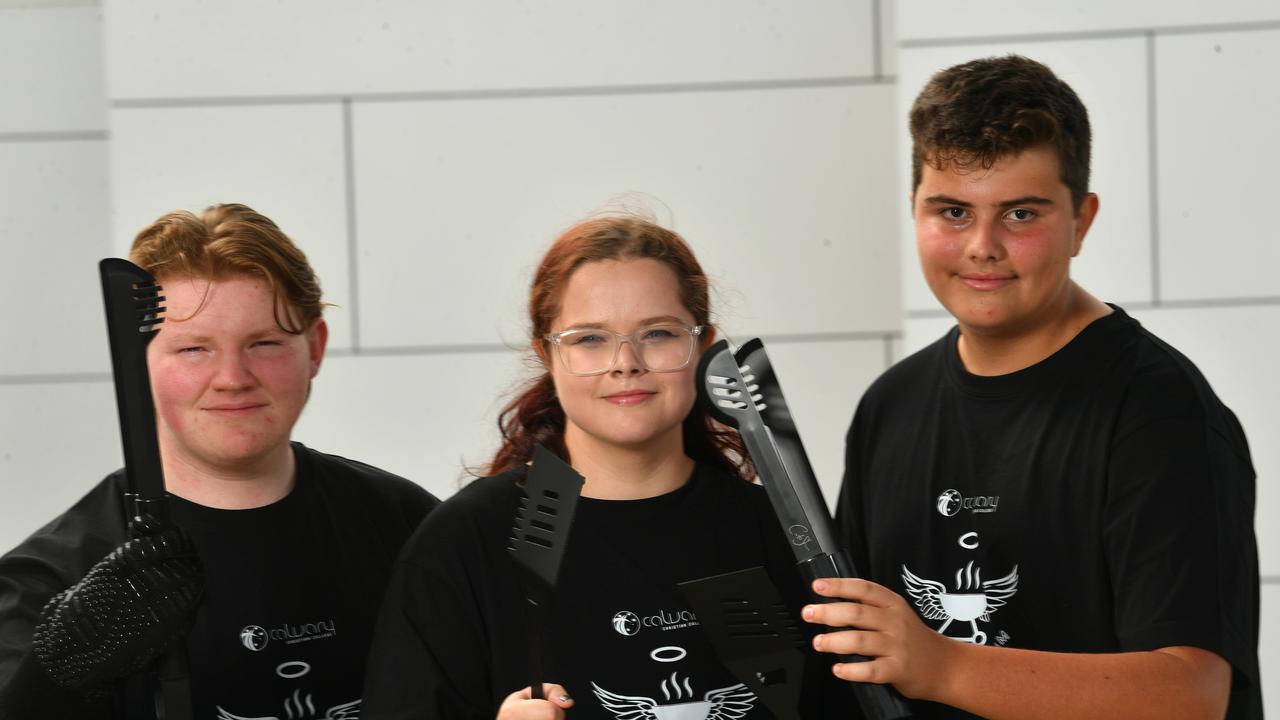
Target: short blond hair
233,239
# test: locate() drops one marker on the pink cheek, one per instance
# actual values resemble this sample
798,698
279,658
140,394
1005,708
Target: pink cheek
173,399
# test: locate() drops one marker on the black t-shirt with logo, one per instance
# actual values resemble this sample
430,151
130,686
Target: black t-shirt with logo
292,589
623,641
1099,501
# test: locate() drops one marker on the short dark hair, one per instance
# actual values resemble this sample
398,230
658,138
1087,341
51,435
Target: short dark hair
983,110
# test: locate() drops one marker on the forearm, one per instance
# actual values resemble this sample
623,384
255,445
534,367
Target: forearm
29,694
998,683
995,682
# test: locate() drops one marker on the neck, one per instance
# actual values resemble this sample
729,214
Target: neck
615,472
1000,353
237,486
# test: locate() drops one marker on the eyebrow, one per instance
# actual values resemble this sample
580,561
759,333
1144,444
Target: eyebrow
647,321
190,338
1024,200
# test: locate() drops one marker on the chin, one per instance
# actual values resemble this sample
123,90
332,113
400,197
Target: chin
245,451
637,437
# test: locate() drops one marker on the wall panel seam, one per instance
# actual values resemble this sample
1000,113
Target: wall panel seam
353,255
7,379
505,93
54,136
877,41
1153,168
1108,34
1166,304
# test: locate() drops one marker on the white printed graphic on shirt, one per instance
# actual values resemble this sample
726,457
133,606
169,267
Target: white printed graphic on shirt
726,703
631,624
972,601
298,706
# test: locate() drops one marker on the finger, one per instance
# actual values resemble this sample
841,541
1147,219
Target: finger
557,694
845,614
520,706
857,589
871,671
852,642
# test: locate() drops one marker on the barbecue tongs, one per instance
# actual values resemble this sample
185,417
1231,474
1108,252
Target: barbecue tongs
741,390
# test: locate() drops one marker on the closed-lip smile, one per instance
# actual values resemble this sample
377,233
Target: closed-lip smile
629,397
235,408
986,281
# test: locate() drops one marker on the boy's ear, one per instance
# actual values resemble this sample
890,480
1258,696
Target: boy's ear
1084,220
317,340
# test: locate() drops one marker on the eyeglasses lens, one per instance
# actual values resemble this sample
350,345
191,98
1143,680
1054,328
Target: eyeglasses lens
662,348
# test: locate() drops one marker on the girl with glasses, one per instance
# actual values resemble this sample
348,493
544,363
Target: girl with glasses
619,315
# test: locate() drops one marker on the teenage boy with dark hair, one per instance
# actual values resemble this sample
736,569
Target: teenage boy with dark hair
1054,507
277,580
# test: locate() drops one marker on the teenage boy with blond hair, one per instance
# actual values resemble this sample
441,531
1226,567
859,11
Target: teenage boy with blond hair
276,578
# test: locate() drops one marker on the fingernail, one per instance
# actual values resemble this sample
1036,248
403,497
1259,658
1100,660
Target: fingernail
564,698
817,642
807,612
820,585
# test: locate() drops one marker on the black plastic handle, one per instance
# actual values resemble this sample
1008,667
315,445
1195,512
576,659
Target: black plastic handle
879,702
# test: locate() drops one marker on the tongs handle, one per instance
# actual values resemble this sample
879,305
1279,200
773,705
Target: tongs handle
879,702
533,613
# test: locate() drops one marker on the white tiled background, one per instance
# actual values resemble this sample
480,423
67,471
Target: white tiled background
424,153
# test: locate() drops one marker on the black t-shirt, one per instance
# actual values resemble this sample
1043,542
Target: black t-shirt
292,589
1099,501
623,641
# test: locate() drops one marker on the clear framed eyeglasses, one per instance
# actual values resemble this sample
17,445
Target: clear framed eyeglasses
662,347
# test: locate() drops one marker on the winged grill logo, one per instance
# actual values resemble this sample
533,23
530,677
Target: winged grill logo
726,703
974,599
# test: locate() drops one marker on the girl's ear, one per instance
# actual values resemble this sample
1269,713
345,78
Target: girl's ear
708,336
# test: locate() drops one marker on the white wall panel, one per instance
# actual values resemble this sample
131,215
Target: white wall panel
823,382
458,200
1219,105
888,37
283,161
166,48
1110,78
921,332
929,19
1235,349
51,70
1269,646
56,443
53,231
424,417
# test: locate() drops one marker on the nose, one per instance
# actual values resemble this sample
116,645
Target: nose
985,242
232,373
628,362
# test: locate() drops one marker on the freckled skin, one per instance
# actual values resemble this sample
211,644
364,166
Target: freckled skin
228,382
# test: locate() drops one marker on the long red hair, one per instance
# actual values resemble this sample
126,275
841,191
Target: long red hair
534,416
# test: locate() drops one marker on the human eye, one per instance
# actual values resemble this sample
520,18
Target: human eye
659,333
954,214
190,349
1020,215
585,338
